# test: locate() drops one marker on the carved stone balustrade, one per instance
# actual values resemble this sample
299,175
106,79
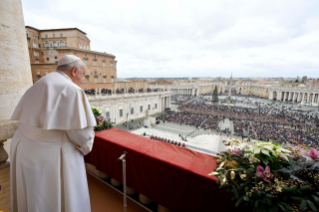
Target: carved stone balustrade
7,130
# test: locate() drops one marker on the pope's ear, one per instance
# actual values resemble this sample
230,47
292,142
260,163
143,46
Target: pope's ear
73,71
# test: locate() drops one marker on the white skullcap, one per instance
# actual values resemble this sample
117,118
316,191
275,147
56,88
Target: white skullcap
67,59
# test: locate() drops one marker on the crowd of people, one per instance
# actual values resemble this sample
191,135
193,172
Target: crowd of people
266,121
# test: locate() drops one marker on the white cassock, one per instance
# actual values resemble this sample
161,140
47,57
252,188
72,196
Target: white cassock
46,153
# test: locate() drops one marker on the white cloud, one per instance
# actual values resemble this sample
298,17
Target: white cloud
193,38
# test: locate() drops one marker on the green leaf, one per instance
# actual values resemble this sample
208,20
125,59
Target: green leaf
257,203
269,197
239,202
303,205
292,188
305,188
225,186
315,198
240,169
281,207
312,206
235,191
246,198
297,198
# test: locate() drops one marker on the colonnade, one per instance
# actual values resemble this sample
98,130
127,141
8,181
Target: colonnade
302,96
185,91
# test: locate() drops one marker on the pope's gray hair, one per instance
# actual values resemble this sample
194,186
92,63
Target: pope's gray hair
66,68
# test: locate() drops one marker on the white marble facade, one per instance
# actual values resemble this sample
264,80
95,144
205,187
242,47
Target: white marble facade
125,107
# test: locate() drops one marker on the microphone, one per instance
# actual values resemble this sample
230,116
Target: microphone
122,156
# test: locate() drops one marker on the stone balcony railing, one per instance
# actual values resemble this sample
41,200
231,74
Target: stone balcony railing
7,130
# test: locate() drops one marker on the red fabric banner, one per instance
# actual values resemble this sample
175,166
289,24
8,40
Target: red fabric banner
175,177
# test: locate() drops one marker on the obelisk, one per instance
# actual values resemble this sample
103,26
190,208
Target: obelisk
229,89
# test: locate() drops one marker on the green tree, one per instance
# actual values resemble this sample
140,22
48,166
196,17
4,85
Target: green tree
215,95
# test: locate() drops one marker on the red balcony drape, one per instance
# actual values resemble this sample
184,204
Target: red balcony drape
175,177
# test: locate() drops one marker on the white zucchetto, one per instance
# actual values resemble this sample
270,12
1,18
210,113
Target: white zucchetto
67,59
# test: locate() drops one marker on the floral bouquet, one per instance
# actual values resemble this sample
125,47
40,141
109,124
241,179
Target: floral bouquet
102,123
268,177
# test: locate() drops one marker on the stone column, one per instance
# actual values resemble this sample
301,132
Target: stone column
308,97
15,69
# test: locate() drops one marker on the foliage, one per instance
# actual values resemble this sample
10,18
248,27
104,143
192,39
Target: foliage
268,177
102,123
215,95
96,111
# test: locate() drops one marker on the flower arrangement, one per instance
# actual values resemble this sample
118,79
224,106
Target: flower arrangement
102,123
268,177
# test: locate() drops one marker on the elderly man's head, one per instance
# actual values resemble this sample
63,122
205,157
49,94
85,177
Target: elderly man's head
73,67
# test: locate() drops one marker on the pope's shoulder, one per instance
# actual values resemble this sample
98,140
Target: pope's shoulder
56,80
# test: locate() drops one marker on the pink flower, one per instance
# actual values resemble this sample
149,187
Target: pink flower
314,154
236,151
264,173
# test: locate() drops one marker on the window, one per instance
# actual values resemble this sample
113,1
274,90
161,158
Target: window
107,114
61,35
155,105
47,44
38,71
121,112
62,43
54,44
103,63
80,46
74,53
64,53
36,54
95,62
79,36
149,107
54,35
46,72
104,79
111,64
56,57
141,108
86,61
132,110
48,59
46,36
112,79
39,45
95,79
42,53
100,74
34,45
84,47
91,73
83,37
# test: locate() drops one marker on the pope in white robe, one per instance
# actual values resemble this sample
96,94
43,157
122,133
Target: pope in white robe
46,154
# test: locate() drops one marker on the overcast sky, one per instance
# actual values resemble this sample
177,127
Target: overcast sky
193,38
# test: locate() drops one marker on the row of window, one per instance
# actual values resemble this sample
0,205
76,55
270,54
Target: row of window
55,44
84,47
95,63
46,35
132,110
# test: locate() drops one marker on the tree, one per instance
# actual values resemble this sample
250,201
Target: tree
215,95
